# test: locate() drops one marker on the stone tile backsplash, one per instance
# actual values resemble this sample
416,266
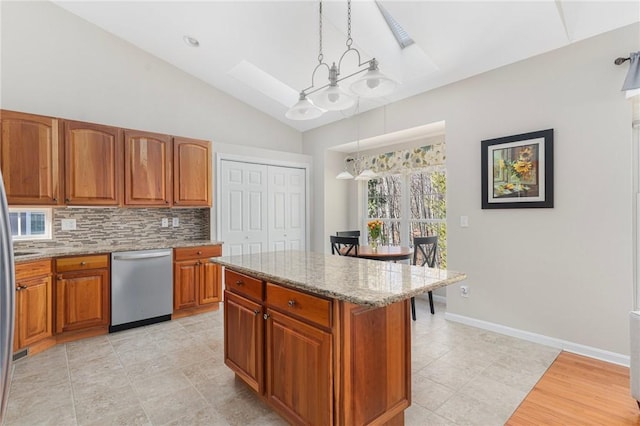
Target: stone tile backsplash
123,226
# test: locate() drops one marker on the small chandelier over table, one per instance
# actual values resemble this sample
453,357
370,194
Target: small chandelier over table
331,97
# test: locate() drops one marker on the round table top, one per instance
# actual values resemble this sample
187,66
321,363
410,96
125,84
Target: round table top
385,252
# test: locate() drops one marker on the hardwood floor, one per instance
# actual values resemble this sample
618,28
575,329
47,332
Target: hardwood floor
577,390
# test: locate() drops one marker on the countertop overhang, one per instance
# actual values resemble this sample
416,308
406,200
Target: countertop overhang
359,281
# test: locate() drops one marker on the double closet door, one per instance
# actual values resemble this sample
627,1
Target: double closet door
262,208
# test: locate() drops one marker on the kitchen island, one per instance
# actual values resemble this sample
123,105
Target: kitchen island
324,339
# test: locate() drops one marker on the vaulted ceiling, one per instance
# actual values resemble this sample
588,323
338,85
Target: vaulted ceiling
263,52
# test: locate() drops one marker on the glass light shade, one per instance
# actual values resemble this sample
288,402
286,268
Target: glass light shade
303,110
366,175
344,175
333,98
373,84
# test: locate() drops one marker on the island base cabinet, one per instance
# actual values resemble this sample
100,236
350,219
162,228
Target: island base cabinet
376,364
298,368
243,339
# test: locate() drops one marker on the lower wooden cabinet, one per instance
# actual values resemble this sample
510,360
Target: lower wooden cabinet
315,360
197,283
33,317
82,293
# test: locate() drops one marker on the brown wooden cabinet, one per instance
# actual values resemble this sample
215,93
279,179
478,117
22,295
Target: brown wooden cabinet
191,172
33,317
197,283
147,169
317,360
82,293
31,158
93,164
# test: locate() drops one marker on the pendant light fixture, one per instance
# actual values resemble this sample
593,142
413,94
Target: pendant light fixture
331,97
358,161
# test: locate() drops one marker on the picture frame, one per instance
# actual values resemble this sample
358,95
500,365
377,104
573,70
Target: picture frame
517,171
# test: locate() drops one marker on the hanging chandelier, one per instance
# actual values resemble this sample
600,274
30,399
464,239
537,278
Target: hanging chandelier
331,97
358,163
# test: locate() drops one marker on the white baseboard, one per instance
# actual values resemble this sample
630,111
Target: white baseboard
564,345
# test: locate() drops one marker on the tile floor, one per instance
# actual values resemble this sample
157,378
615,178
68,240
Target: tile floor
173,373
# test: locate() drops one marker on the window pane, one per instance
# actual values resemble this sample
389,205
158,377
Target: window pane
23,223
428,191
422,229
13,223
384,197
37,223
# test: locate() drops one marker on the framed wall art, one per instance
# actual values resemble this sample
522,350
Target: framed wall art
517,171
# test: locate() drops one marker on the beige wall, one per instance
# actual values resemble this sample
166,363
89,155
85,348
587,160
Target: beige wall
54,63
565,272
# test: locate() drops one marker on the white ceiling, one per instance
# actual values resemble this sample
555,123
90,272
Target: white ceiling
263,52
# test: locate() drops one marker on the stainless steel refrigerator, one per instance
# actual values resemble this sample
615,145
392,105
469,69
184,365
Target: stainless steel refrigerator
7,302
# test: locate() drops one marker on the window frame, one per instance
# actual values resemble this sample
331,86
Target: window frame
48,223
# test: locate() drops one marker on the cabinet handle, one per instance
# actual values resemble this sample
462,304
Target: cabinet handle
291,303
266,316
239,282
67,200
21,287
256,312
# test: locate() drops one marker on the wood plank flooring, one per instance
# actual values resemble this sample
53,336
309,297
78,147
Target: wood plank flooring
577,390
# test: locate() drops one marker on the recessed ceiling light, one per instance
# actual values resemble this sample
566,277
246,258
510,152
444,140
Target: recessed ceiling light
191,41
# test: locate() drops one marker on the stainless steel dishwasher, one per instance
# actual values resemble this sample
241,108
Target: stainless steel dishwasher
141,288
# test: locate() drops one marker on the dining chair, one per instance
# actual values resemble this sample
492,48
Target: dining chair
344,246
348,233
427,247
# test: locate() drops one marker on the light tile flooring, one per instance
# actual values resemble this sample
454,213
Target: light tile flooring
173,374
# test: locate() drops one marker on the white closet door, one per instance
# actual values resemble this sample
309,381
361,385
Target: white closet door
243,216
287,213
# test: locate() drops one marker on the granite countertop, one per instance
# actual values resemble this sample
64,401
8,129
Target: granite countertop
359,281
46,253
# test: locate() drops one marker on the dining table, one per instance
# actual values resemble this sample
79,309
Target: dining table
387,253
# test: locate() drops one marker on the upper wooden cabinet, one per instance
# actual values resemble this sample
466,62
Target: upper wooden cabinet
147,169
93,164
30,158
192,172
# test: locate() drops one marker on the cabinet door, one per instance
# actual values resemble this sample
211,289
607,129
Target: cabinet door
82,300
191,172
30,158
93,164
185,284
299,374
33,310
243,339
210,283
147,169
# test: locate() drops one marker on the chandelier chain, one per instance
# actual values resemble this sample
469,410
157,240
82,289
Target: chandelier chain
349,39
320,55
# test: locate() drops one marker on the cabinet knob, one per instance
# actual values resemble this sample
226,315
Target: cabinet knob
166,201
291,303
266,316
21,287
239,282
256,311
198,263
67,200
83,263
55,199
199,252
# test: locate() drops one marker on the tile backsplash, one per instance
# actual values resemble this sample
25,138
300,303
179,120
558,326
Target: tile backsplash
123,226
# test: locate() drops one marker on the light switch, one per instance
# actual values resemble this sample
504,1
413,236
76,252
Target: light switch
68,224
464,221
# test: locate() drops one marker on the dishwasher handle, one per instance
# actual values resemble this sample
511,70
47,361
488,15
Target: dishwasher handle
141,255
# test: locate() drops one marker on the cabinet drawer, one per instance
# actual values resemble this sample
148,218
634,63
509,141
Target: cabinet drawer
80,263
33,269
188,253
302,305
243,284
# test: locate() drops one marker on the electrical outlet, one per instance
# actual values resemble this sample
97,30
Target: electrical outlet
165,222
68,224
176,222
464,291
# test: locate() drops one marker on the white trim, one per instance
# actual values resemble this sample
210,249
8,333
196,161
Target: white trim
219,157
565,345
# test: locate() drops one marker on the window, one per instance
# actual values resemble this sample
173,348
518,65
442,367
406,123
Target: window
409,205
30,223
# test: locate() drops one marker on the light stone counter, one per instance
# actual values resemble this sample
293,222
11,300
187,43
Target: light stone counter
359,281
38,254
